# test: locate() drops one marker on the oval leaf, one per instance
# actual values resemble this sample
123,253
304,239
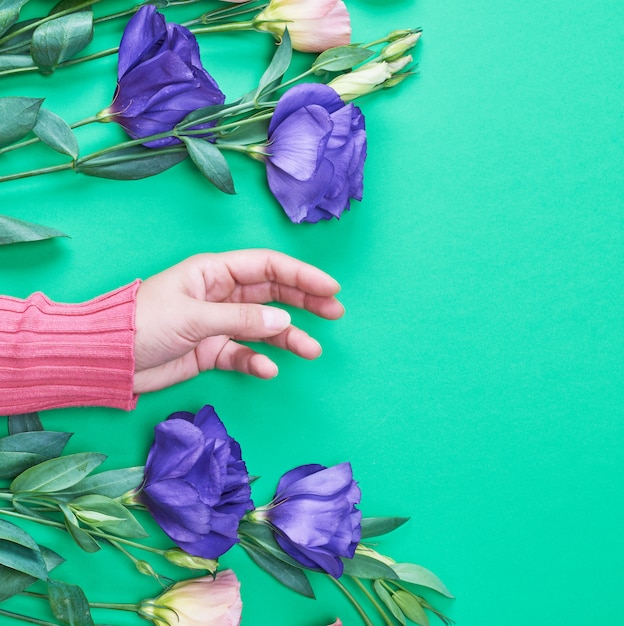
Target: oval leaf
362,566
69,604
9,13
19,551
58,40
17,117
418,575
13,230
24,422
278,66
340,58
57,474
14,582
55,132
13,61
211,163
106,514
290,576
14,463
132,163
376,526
112,484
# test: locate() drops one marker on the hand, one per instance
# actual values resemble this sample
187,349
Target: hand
190,317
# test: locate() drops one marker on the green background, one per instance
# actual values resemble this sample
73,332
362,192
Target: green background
476,380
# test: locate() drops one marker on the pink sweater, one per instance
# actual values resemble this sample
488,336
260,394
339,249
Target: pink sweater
60,355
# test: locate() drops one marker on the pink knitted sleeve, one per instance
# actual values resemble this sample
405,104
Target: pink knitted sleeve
60,355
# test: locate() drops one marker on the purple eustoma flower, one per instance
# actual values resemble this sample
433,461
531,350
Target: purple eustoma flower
196,485
160,78
313,516
316,152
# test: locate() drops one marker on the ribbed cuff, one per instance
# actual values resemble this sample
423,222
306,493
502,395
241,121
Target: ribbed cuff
56,355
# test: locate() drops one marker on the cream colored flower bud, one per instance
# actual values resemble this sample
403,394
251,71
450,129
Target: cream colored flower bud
399,47
360,82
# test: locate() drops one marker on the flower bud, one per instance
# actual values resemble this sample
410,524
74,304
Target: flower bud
361,81
399,47
183,559
145,568
205,601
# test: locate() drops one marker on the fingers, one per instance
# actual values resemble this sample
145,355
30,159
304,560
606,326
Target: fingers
209,319
328,307
250,267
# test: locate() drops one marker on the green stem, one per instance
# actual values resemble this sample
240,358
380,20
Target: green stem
38,172
117,606
223,28
353,601
25,618
387,620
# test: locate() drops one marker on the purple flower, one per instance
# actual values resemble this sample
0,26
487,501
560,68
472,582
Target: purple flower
160,78
314,517
316,153
196,485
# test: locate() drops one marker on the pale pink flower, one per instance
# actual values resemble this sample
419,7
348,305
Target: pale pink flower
313,25
338,622
205,601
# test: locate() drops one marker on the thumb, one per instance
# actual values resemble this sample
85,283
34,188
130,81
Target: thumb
252,321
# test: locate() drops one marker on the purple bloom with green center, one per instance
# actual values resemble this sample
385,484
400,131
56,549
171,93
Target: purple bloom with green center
160,78
316,153
196,485
313,516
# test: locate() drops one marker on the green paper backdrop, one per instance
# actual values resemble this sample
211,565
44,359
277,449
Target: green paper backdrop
476,381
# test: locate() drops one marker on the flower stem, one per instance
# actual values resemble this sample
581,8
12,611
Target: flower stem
117,606
38,172
374,602
25,618
223,28
353,601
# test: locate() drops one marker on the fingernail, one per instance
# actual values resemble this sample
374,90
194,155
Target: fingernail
275,319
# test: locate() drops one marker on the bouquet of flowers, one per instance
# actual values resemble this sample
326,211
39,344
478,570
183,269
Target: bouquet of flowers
306,129
196,486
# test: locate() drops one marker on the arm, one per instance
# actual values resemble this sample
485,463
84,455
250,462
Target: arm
151,335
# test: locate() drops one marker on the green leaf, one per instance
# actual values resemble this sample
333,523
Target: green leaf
340,58
58,40
9,13
13,230
376,526
69,604
211,163
57,474
13,61
14,582
245,134
362,566
262,536
133,163
55,132
65,5
410,607
418,575
17,117
24,422
48,443
292,577
19,551
277,67
22,450
14,463
81,537
105,514
112,484
386,598
18,43
197,116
